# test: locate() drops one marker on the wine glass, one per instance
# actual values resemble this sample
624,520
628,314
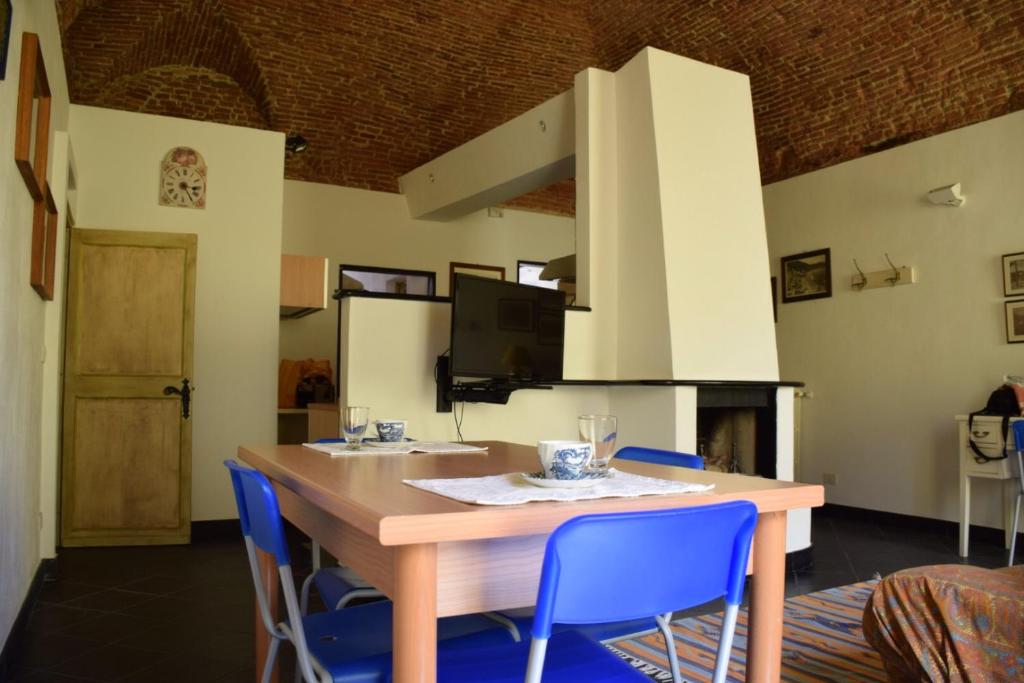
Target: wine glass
601,431
353,425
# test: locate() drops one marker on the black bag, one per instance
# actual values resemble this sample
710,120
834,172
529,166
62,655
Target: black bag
1002,402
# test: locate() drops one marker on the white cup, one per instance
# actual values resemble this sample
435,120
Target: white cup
391,430
564,459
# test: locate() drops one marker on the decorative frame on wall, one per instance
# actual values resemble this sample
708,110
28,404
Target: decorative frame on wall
455,267
807,276
32,133
1015,321
44,246
183,175
6,13
1013,274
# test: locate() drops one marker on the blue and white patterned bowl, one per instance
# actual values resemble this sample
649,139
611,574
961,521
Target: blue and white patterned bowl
564,459
391,430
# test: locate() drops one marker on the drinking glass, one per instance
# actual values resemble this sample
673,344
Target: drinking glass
601,431
353,425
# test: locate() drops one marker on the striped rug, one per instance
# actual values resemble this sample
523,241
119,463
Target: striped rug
822,641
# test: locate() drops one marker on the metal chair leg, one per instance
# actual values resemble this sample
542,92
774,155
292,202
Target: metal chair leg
1013,532
665,625
304,596
725,643
268,666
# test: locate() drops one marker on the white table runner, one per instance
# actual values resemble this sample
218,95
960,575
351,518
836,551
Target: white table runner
338,449
512,489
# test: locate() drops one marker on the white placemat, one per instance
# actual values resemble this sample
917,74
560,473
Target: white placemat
337,450
512,489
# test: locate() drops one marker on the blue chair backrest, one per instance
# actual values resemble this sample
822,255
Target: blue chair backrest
1018,435
660,457
258,511
614,567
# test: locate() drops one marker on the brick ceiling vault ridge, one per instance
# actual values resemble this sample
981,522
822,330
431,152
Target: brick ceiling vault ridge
379,87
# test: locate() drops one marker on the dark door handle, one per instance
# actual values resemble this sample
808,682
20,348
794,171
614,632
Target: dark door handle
186,396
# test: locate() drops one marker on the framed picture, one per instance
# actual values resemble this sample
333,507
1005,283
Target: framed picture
492,272
528,273
1013,274
32,130
5,34
1015,322
44,246
807,276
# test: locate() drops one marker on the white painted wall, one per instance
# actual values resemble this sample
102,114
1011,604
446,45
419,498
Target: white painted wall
50,431
388,365
889,368
365,228
715,255
644,341
597,224
238,266
23,319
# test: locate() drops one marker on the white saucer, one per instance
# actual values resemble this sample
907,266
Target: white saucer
588,479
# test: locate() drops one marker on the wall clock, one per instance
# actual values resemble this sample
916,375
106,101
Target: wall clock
183,179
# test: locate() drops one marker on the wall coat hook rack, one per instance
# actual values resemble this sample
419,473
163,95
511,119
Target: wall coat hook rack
860,280
890,277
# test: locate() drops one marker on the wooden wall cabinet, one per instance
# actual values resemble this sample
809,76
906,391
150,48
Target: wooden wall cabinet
303,285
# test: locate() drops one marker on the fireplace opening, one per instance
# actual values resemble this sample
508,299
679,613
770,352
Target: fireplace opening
736,429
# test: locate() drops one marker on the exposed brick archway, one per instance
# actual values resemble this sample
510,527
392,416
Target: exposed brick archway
165,45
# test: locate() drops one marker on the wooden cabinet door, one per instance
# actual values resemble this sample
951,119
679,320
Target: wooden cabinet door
127,446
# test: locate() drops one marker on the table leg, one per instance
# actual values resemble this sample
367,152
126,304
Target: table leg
764,655
415,620
268,570
965,513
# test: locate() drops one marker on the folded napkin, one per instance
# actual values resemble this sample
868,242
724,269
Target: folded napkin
339,449
512,489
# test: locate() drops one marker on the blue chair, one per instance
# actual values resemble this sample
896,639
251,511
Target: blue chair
659,457
612,567
336,589
341,646
1018,438
632,627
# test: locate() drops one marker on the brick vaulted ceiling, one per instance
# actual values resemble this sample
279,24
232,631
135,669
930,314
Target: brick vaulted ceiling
381,86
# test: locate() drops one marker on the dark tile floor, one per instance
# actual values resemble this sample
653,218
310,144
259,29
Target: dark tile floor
186,613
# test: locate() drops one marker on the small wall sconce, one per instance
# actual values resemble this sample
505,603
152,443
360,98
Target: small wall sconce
948,195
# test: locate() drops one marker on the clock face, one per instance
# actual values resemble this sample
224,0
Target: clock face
183,186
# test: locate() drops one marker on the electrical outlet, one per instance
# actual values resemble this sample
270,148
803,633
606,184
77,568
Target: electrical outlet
495,212
828,479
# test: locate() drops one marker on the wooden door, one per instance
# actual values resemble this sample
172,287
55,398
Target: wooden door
127,445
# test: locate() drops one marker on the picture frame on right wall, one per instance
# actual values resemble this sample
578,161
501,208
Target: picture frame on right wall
1013,274
1015,321
807,276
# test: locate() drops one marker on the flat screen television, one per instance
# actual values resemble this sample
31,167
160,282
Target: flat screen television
504,330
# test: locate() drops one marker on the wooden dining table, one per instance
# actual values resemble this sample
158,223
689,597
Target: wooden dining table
437,557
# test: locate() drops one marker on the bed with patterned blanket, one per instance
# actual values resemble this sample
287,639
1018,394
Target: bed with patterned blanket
949,623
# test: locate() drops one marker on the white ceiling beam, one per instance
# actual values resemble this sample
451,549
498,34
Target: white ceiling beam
525,154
